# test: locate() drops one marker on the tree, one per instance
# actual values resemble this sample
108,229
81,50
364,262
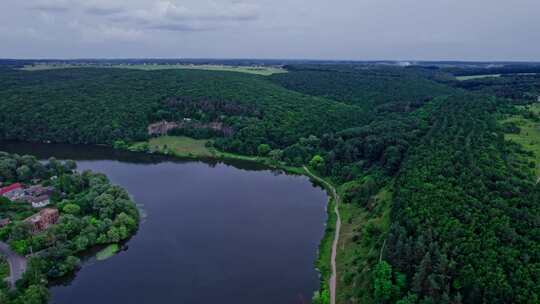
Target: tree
120,144
317,163
24,173
70,165
321,298
263,149
8,169
113,235
408,299
383,281
34,294
71,209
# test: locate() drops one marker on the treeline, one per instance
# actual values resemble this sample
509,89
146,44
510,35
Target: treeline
365,86
515,87
92,212
503,69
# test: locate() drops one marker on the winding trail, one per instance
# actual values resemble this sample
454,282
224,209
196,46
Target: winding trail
333,276
17,264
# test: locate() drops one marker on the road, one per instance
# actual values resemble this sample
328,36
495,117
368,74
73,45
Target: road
17,264
333,276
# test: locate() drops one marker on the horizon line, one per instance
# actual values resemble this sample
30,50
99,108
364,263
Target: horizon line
271,59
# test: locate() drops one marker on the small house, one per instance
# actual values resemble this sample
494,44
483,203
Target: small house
38,201
161,128
38,190
13,191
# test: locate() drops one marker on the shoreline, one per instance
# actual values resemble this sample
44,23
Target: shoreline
330,237
321,264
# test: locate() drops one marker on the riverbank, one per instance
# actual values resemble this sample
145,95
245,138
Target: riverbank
328,291
201,149
323,260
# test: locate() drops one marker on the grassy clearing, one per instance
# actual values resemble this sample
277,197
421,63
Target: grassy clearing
257,70
186,147
529,135
463,78
181,146
107,252
363,230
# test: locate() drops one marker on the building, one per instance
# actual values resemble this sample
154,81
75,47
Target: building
13,191
12,187
42,220
37,195
162,127
38,190
4,222
38,201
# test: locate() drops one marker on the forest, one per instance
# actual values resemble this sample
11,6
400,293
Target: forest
464,210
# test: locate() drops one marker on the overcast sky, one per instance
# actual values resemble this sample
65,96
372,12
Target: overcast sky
302,29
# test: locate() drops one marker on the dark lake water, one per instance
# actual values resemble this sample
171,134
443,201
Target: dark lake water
212,232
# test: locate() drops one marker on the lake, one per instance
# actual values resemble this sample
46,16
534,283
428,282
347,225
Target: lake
211,232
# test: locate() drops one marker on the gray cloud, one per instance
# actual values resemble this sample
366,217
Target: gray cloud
51,6
102,11
178,27
170,16
318,29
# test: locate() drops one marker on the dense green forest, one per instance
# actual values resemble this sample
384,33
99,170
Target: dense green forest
464,205
101,106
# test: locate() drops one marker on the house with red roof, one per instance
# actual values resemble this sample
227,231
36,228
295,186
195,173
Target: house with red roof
13,191
10,188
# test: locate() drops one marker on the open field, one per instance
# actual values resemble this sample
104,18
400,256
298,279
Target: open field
463,78
181,146
529,136
186,147
257,70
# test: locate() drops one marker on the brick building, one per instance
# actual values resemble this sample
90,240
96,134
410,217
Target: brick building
42,220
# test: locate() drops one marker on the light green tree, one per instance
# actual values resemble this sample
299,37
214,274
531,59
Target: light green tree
317,163
263,149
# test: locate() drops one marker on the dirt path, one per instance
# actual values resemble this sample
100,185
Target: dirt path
17,264
333,276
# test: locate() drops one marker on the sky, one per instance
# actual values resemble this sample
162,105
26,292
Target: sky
281,29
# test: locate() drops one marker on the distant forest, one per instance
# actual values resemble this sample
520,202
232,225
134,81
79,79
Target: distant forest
465,206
